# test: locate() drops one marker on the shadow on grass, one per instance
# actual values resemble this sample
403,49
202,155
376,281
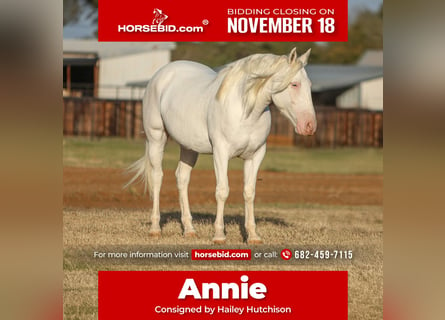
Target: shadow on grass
209,219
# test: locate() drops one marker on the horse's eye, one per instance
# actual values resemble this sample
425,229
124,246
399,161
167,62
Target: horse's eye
295,84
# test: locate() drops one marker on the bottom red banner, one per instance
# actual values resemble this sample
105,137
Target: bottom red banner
223,294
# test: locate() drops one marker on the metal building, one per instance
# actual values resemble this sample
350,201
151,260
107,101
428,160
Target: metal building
111,70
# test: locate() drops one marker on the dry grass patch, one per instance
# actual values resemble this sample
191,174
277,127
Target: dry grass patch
357,228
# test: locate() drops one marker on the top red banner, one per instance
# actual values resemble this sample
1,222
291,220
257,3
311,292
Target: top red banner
231,20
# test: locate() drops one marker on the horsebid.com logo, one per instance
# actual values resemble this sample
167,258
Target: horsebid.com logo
157,25
159,17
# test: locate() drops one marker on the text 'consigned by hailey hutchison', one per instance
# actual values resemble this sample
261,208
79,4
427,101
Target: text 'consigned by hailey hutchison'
222,310
242,290
280,20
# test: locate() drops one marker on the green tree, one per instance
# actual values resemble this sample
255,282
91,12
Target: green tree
72,9
216,54
366,32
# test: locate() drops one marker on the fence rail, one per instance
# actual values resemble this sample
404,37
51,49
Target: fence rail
336,127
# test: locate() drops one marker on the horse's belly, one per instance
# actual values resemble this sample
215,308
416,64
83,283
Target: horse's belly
189,130
183,101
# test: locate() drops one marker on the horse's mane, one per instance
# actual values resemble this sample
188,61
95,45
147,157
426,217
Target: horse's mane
253,74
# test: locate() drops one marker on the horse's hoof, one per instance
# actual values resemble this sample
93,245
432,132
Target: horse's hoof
190,234
219,240
154,234
255,241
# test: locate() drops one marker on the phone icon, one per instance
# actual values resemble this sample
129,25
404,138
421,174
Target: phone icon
286,254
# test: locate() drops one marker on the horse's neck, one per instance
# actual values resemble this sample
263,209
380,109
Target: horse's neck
262,100
236,99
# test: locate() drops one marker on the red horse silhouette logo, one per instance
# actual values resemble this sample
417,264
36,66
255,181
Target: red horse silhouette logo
159,17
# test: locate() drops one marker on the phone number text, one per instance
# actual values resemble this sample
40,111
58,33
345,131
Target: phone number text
323,254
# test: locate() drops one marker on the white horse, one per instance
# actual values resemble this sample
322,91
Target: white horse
224,113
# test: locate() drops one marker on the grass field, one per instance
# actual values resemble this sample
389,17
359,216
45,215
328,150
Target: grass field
114,230
119,153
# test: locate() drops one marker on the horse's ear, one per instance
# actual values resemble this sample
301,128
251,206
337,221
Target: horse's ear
304,58
292,56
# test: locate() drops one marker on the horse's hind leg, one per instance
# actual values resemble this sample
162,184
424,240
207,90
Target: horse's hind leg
220,161
185,166
155,149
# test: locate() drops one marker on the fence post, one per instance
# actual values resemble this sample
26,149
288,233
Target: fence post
362,125
116,118
128,121
334,140
93,119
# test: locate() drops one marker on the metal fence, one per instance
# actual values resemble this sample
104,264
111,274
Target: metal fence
95,117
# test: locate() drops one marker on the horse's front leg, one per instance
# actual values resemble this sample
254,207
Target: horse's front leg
220,161
251,167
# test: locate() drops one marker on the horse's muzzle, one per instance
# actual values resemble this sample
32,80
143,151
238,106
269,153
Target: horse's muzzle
307,127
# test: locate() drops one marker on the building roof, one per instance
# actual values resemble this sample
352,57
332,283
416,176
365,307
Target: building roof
112,49
371,58
332,77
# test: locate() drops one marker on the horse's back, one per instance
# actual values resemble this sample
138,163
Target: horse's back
182,70
183,91
194,68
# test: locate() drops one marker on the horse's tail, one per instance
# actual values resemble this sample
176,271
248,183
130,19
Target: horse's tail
142,171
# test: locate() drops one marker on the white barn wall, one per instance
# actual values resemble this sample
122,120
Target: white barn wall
372,94
350,98
367,95
119,70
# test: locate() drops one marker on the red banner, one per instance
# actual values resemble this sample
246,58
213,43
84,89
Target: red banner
231,20
314,295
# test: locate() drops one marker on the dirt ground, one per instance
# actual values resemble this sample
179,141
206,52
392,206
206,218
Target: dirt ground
102,188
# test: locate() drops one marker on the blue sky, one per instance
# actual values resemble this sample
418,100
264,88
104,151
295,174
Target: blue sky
85,27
